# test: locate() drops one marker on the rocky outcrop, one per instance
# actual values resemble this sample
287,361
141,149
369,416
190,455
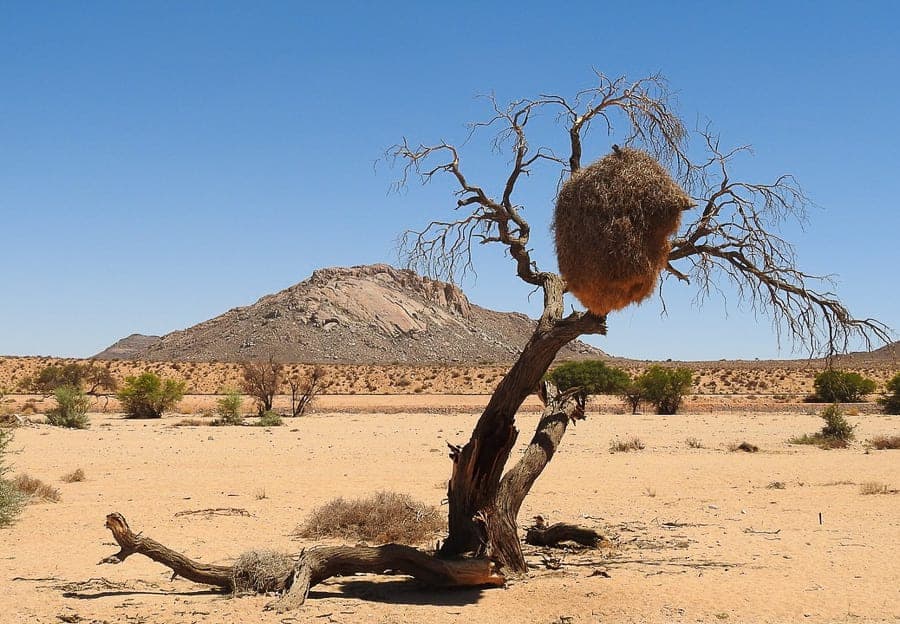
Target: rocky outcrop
365,314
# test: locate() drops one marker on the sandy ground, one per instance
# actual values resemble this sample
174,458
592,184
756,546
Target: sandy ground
696,534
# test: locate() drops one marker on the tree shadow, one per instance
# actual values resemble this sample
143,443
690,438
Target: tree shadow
400,592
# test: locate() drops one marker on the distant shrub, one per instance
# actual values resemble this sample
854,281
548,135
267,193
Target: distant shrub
261,380
381,518
633,396
75,476
836,433
269,419
148,396
71,408
228,408
90,377
11,499
834,386
35,489
627,445
664,388
890,402
883,443
592,376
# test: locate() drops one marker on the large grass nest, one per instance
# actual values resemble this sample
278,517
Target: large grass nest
381,518
613,221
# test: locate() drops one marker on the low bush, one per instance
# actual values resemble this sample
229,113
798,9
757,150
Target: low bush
890,402
148,396
381,518
836,433
71,408
11,499
228,408
76,476
269,419
743,446
835,386
883,443
35,489
632,443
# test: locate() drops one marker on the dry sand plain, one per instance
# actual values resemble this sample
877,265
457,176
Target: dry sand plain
695,534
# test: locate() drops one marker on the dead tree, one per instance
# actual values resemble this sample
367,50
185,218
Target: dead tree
261,380
733,232
304,390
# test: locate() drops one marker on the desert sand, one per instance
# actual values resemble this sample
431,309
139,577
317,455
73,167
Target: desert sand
694,534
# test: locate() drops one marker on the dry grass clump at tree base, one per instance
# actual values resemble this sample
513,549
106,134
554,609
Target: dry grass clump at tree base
259,571
381,518
36,489
613,220
883,442
632,443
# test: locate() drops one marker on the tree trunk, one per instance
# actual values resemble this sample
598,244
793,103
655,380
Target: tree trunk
478,522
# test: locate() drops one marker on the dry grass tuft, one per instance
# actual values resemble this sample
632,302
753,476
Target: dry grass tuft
882,443
381,518
75,476
613,221
822,441
633,443
35,488
743,446
694,443
189,422
875,487
776,485
260,571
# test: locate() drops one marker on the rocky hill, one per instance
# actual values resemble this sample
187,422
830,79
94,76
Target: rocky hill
359,315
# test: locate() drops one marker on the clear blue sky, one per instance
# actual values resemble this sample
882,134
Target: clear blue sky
161,162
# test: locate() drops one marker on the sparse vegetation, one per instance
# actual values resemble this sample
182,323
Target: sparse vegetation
71,408
890,402
261,381
835,386
883,442
35,489
693,443
305,389
743,446
836,433
664,388
269,419
381,518
92,378
874,487
591,376
148,395
75,476
10,498
632,443
633,397
228,408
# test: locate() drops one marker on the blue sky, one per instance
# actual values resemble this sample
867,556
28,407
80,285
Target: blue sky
163,162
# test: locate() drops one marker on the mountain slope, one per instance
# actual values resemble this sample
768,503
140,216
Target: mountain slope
364,314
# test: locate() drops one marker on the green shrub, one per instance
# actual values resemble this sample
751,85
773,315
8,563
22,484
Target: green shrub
148,396
664,388
592,376
836,433
228,408
834,386
90,377
269,419
11,500
71,408
891,400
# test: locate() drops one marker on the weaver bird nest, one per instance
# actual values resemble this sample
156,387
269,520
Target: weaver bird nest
613,221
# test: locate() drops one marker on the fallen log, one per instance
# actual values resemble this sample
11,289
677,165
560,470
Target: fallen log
554,534
314,565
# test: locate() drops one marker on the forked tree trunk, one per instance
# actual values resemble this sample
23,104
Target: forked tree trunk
482,518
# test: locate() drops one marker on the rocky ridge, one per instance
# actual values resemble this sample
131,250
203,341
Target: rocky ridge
357,315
